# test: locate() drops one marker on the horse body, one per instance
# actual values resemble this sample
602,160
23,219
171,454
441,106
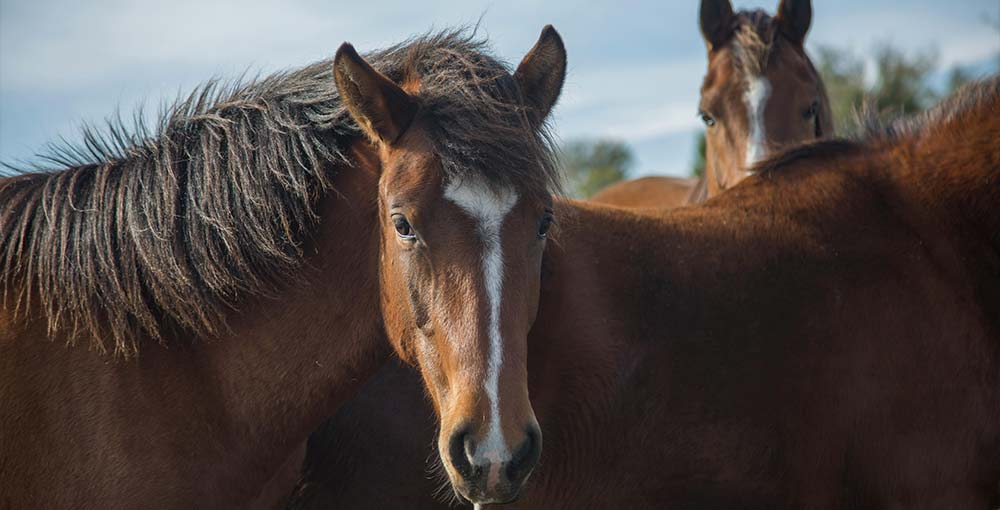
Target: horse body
651,191
823,336
835,377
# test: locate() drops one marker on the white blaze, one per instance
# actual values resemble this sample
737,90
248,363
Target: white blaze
489,207
758,91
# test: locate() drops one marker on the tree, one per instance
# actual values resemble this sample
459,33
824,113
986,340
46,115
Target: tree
901,85
591,165
698,168
958,77
843,75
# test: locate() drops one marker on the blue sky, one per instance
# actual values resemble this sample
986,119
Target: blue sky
634,66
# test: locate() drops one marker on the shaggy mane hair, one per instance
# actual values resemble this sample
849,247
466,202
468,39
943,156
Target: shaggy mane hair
975,95
753,39
135,232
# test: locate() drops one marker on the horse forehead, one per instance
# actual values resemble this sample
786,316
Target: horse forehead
486,204
757,90
788,62
721,70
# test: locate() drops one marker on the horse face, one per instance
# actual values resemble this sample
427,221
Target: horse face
761,91
460,273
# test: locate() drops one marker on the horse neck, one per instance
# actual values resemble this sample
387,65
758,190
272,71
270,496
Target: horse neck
292,359
623,298
711,182
601,271
216,416
700,192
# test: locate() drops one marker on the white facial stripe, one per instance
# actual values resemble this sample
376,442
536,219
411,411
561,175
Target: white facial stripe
489,208
758,91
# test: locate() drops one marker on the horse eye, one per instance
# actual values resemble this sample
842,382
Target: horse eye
403,228
812,110
706,118
544,225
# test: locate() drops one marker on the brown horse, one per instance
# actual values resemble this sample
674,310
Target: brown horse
826,335
761,93
270,246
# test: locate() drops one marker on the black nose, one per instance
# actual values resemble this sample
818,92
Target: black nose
525,457
459,447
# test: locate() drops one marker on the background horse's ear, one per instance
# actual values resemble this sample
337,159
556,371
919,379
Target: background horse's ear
716,22
542,72
379,106
794,18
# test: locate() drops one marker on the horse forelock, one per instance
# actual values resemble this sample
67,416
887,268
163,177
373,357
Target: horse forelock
136,229
752,42
480,122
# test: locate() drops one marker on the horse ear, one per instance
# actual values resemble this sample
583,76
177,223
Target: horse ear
716,22
542,72
379,106
794,18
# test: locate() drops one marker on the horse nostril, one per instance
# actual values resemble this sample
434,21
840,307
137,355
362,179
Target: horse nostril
459,447
526,456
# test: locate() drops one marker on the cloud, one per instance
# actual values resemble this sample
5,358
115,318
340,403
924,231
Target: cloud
634,101
635,68
957,33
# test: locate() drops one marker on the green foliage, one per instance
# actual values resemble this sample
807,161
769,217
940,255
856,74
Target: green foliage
591,165
900,85
957,77
698,168
844,77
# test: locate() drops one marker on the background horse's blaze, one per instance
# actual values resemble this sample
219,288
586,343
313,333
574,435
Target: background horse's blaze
823,337
220,235
752,57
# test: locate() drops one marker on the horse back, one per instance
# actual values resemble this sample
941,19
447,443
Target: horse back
653,191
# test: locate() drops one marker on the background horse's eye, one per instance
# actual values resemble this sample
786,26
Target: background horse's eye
403,229
812,110
707,119
543,226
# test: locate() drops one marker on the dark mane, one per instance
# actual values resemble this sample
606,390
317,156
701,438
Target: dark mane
133,230
972,96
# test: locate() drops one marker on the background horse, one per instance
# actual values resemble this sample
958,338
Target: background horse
270,246
823,336
761,93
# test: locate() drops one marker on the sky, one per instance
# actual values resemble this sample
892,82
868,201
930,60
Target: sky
635,66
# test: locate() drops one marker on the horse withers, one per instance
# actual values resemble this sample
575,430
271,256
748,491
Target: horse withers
761,93
182,307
